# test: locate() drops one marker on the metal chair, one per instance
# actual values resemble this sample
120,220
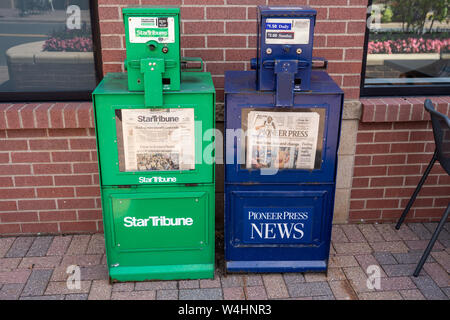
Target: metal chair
441,131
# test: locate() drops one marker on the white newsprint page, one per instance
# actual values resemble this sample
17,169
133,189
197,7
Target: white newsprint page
158,139
282,140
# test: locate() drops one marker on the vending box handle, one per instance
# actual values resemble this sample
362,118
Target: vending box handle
136,64
319,63
301,63
185,63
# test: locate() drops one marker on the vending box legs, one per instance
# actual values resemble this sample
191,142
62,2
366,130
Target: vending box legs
157,179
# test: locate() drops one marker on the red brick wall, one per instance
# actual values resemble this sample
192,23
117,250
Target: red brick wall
48,169
394,146
223,33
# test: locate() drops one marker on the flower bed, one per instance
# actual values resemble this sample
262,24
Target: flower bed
70,40
77,44
409,45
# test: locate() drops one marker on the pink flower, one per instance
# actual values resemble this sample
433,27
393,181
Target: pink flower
409,45
77,44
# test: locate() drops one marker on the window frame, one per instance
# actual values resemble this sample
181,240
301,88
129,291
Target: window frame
395,90
33,96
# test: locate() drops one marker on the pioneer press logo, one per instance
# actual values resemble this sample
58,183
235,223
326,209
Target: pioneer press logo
157,179
153,221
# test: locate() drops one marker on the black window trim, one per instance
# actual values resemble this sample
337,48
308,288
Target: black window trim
21,96
401,90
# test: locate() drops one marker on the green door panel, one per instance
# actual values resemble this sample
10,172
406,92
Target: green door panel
136,253
160,221
197,92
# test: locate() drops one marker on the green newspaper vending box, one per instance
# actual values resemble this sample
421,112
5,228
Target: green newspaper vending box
156,167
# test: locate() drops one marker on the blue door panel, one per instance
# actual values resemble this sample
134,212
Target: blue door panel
278,223
235,170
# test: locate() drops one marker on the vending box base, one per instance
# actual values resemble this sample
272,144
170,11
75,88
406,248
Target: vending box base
278,228
176,272
159,233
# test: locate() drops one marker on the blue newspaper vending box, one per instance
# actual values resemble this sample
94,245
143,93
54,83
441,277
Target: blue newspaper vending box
282,134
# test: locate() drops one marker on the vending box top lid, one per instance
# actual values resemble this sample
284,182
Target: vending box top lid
191,82
245,82
268,11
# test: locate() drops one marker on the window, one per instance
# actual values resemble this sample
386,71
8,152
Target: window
155,139
283,139
47,49
407,48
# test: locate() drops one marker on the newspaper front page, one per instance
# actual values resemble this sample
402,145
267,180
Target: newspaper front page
158,139
282,140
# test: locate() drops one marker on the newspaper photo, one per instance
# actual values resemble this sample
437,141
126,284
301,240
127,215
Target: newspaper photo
158,139
282,140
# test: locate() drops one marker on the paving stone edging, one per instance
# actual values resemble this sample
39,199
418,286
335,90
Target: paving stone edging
35,268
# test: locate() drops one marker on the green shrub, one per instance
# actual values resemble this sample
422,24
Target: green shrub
387,15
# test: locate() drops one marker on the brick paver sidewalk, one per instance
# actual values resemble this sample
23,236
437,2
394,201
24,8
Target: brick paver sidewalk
35,268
